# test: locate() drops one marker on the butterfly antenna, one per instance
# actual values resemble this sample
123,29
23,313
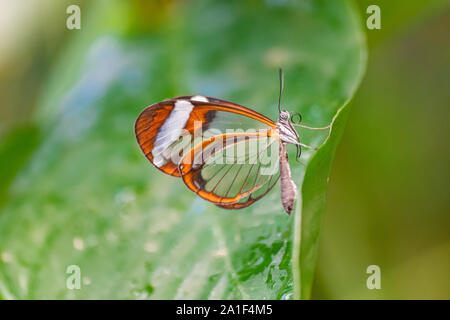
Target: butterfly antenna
281,89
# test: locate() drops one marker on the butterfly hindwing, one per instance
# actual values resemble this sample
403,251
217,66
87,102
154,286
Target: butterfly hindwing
233,167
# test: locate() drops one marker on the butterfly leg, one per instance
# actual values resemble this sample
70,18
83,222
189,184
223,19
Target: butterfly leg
311,128
298,155
306,146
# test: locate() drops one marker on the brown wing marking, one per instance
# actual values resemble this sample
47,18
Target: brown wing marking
146,128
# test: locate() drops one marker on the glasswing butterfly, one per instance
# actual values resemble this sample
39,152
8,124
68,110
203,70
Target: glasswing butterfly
224,152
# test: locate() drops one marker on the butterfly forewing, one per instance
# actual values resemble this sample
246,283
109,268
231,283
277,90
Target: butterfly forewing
166,130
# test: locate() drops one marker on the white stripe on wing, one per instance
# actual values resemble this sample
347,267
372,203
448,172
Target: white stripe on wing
199,98
171,130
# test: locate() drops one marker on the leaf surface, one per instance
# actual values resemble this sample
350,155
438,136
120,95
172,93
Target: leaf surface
88,197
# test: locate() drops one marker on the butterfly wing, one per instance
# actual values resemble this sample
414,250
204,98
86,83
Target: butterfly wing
233,170
165,131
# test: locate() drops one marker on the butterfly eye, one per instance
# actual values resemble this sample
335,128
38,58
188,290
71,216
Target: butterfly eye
296,118
284,115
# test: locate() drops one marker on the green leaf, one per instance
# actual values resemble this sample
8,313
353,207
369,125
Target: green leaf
88,197
309,211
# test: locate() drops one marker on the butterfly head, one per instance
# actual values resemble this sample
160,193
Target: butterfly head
286,129
284,116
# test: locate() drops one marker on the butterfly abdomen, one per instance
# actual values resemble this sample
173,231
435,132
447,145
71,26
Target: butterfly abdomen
288,187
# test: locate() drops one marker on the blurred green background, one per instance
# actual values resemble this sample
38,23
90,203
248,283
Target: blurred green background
388,201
